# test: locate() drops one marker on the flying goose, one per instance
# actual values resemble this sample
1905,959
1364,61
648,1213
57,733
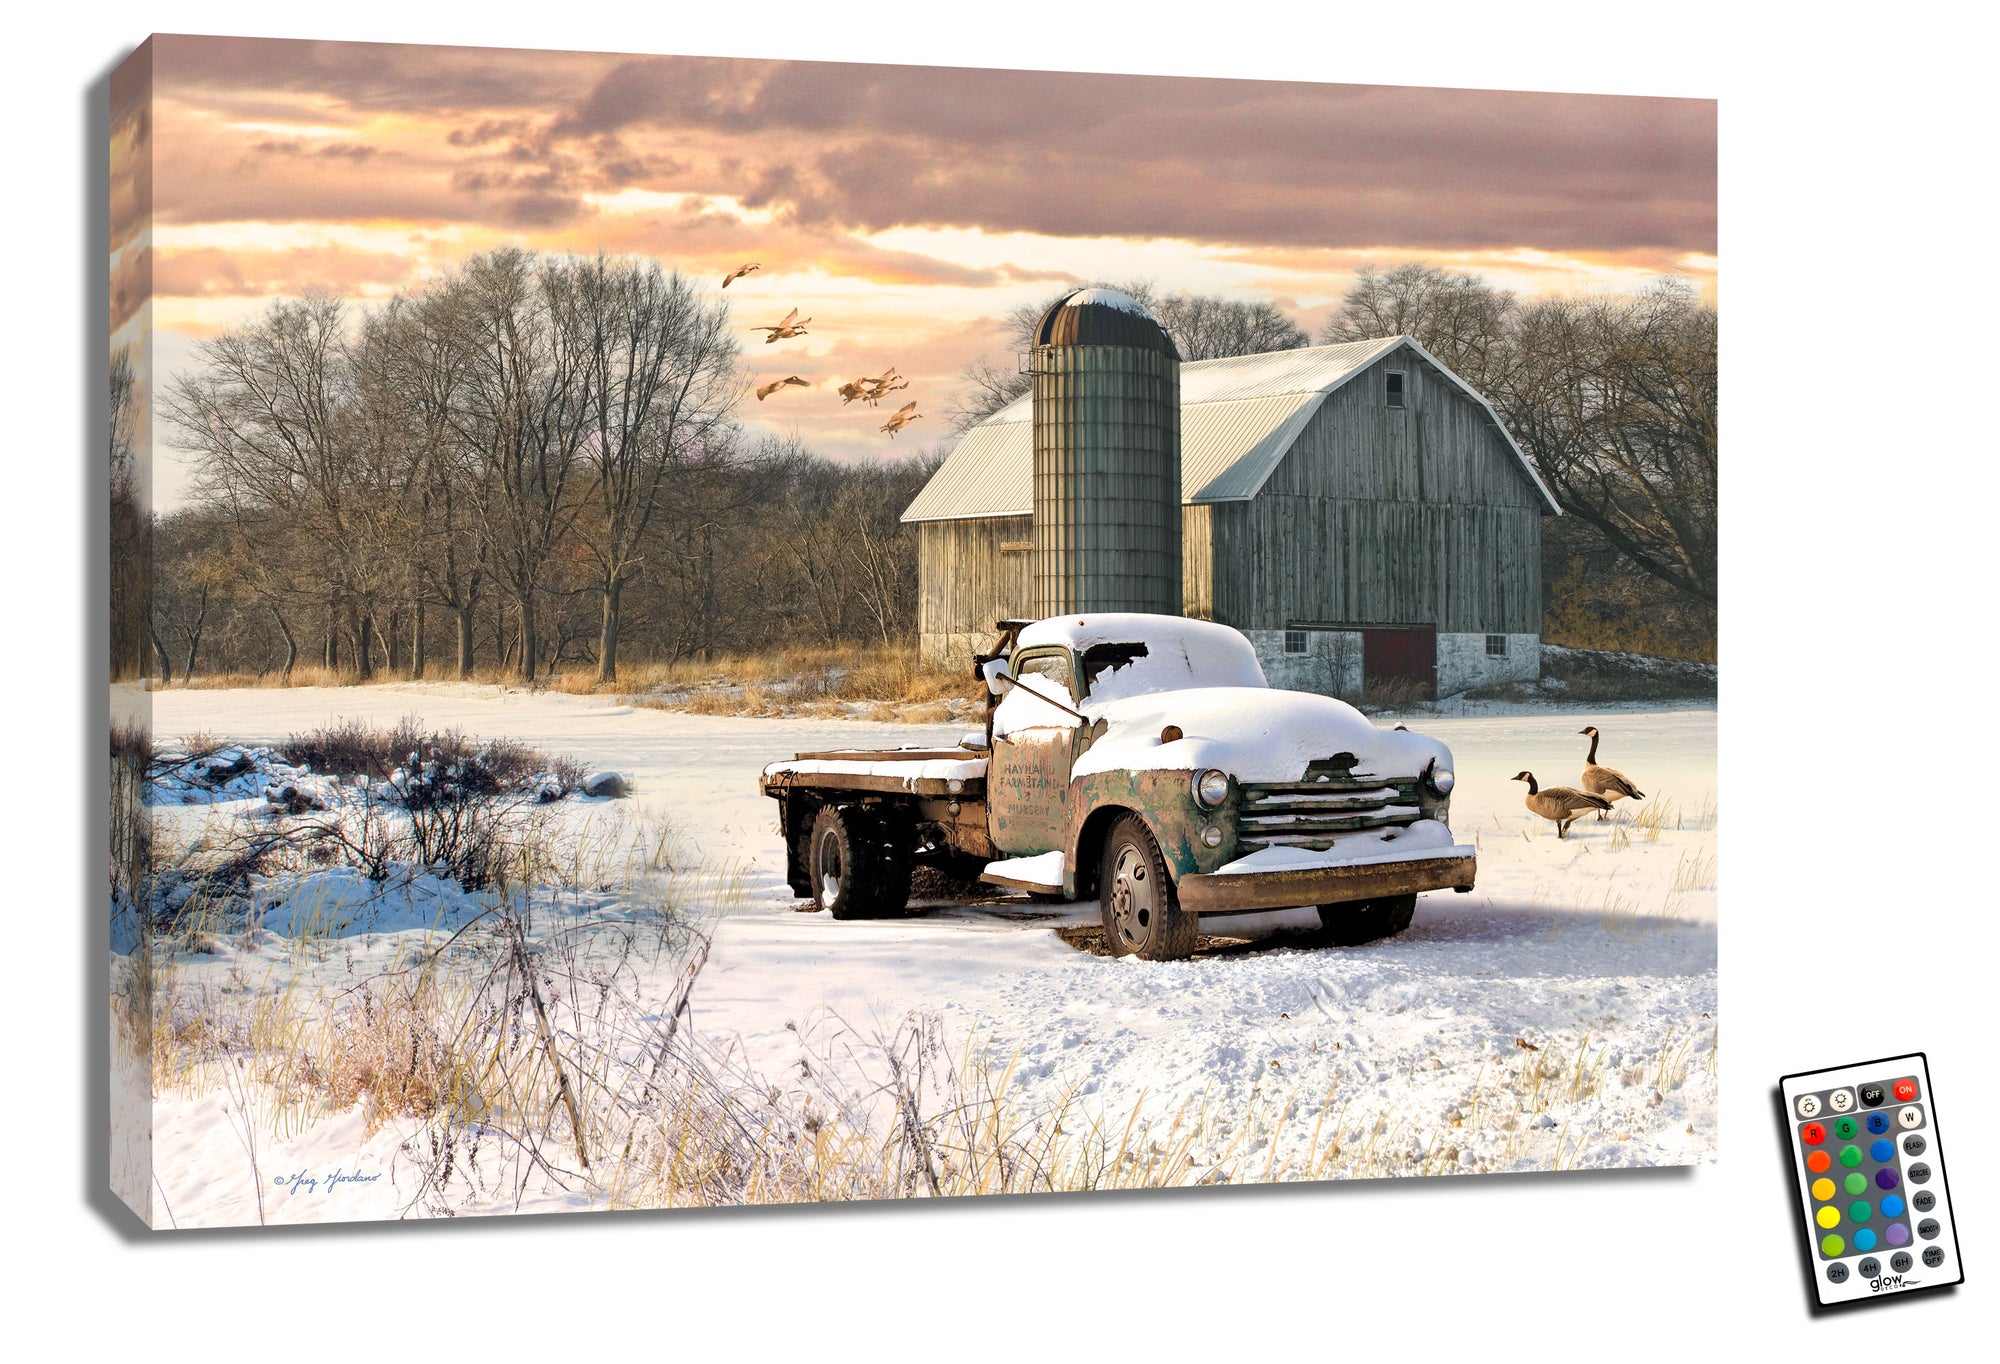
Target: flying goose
793,325
905,414
1605,781
767,390
1563,804
739,272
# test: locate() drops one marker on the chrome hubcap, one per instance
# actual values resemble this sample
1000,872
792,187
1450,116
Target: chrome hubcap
1131,896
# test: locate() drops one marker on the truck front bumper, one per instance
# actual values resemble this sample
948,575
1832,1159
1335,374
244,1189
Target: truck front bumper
1248,892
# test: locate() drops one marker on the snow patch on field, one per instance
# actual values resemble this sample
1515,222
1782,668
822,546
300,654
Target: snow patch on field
1563,1014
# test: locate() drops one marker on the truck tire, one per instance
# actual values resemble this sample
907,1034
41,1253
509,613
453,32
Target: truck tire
1142,913
1360,921
843,872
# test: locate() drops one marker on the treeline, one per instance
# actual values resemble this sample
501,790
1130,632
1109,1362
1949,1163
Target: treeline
531,463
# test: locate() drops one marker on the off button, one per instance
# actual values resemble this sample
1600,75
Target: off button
1871,1095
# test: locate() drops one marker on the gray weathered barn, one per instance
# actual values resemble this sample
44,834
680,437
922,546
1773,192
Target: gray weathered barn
1357,510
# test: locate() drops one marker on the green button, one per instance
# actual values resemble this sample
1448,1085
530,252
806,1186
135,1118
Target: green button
1845,1128
1857,1184
1831,1245
1861,1212
1850,1156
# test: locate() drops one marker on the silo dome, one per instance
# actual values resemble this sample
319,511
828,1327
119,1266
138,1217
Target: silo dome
1107,433
1103,317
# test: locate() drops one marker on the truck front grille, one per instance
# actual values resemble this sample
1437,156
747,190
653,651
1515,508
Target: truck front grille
1307,814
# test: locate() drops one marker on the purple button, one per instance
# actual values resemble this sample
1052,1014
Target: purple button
1899,1235
1885,1178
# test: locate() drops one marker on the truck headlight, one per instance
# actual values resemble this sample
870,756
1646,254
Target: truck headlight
1439,779
1211,788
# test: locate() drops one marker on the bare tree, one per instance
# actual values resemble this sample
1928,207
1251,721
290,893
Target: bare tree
1458,317
1211,327
523,418
659,371
130,535
272,418
1614,396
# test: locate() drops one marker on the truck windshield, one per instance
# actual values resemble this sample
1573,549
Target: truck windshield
1113,669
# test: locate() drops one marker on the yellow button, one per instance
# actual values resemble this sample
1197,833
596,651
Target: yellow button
1823,1189
1828,1218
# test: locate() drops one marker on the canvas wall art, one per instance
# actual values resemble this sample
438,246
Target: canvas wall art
695,632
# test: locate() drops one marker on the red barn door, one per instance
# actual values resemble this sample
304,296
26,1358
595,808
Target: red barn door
1404,654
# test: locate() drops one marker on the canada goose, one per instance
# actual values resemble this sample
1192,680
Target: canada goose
1605,781
905,414
868,390
1563,804
768,389
793,325
739,272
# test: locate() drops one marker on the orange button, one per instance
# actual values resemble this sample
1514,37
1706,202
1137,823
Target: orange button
1819,1162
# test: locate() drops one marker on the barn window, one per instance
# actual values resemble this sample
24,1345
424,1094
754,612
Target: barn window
1394,390
1295,641
1496,646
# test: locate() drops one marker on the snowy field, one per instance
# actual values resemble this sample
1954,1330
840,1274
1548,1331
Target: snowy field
1562,1015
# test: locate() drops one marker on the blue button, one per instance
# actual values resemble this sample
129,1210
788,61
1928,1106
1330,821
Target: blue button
1883,1151
1892,1206
1878,1123
1864,1239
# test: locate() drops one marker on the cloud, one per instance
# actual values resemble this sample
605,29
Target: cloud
208,272
861,148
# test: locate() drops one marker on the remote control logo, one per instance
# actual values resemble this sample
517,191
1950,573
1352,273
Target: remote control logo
1876,1285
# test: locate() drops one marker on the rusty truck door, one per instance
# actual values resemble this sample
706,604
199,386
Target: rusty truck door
1034,747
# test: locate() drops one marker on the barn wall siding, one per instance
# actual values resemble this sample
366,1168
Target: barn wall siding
966,581
1387,516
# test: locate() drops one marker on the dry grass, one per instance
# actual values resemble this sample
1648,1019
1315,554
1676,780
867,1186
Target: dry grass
871,681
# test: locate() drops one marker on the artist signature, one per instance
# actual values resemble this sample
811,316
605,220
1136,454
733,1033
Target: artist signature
308,1182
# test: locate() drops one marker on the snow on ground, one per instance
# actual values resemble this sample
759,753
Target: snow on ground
1562,1014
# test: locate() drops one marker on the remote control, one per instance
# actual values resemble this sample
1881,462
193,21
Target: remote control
1870,1174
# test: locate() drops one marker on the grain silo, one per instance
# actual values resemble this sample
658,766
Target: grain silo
1107,458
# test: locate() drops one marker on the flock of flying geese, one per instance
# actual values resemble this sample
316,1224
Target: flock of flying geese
868,390
1566,804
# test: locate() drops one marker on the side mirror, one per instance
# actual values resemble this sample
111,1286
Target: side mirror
993,670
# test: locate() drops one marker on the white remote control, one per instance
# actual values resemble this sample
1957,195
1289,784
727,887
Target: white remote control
1870,1173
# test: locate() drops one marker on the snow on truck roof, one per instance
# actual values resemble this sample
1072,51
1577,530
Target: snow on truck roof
1239,416
1174,652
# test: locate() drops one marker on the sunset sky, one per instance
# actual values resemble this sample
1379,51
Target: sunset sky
905,209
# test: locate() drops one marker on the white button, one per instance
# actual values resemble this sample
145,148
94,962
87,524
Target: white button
1911,1116
1809,1106
1841,1100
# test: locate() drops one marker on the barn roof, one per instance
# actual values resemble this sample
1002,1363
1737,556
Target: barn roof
1238,418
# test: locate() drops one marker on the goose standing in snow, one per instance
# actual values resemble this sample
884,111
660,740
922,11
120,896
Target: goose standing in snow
1563,804
1605,781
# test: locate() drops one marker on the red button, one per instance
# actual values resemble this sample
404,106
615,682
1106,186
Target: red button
1906,1090
1813,1133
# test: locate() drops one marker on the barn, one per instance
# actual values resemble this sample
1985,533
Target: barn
1357,510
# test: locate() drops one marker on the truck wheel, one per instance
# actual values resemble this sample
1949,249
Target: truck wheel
1142,914
842,870
1360,921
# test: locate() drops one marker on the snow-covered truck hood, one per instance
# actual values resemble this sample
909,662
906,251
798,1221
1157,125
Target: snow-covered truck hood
1255,734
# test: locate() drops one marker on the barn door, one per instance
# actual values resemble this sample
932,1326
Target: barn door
1405,655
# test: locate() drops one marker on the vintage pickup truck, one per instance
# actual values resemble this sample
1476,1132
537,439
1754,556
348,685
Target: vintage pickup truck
1142,760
